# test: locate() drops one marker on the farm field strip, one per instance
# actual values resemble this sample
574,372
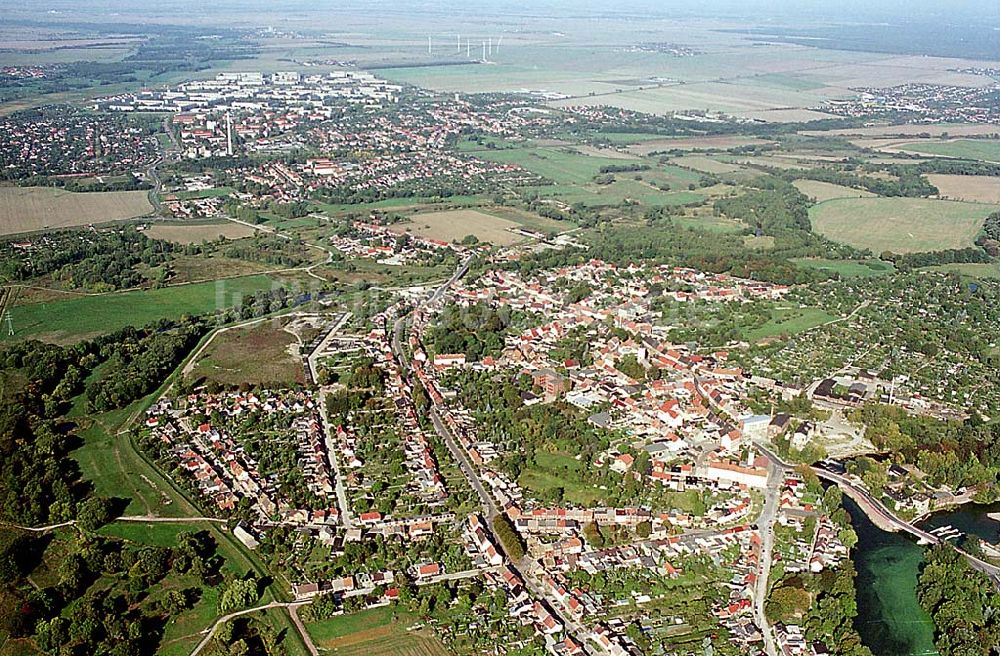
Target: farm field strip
823,191
975,188
196,233
29,209
454,225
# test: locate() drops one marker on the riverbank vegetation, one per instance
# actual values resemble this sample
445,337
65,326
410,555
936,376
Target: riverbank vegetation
962,602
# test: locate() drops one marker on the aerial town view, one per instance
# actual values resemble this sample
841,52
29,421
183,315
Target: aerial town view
604,328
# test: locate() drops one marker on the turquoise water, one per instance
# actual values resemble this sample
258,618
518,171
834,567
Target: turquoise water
890,620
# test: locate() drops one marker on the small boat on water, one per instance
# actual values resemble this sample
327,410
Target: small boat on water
947,532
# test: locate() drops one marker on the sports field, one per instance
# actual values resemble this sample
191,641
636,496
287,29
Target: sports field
789,321
455,225
822,191
901,225
985,270
198,232
981,149
27,209
81,316
977,188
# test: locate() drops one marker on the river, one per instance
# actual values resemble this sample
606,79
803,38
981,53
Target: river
970,519
890,620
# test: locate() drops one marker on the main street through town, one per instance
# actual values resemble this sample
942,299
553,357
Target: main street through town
527,569
765,526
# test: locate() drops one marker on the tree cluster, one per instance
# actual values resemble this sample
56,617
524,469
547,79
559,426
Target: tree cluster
476,331
772,205
962,603
99,261
139,363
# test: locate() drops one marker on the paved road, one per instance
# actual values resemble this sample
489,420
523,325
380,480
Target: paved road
457,452
123,518
346,518
293,611
330,335
40,529
153,174
526,568
765,525
169,520
154,194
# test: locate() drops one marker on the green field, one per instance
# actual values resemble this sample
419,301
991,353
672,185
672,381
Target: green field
384,630
615,193
573,175
794,82
847,268
689,501
789,321
342,625
109,462
484,142
258,355
552,461
400,203
981,149
159,534
79,317
550,471
709,223
673,175
627,138
990,270
900,225
821,191
562,166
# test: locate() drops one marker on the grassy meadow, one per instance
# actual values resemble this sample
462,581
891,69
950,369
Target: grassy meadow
901,225
76,317
980,149
257,355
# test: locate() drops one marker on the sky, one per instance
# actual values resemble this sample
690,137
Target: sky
840,10
922,16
